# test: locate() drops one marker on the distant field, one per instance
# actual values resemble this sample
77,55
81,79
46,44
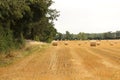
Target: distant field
69,60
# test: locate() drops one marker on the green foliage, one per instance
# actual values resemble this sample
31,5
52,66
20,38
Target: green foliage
68,35
59,36
88,36
26,19
6,40
118,34
2,40
36,38
82,36
20,42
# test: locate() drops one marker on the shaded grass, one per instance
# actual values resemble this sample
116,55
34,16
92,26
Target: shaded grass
22,53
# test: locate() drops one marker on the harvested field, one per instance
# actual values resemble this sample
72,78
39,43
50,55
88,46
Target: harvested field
71,62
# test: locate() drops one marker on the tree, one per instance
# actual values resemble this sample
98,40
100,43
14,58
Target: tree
68,35
82,36
59,36
29,19
118,34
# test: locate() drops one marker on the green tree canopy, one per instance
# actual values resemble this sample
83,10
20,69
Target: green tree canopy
28,19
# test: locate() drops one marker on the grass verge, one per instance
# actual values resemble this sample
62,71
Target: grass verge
6,60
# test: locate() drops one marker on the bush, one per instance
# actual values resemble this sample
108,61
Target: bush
36,38
20,42
6,40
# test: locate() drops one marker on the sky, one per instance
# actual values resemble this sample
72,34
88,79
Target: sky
89,16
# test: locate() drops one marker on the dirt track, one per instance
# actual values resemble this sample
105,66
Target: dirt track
67,62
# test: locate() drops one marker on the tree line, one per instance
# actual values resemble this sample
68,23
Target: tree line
26,19
88,36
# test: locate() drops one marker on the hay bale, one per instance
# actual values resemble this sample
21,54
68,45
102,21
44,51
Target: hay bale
54,43
85,42
65,43
111,44
79,44
93,43
98,43
115,42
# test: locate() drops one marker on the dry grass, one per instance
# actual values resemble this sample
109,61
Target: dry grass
54,43
68,63
13,56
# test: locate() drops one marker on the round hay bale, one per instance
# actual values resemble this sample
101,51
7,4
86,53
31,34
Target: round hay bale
98,43
93,43
115,42
85,42
79,44
54,43
65,43
111,44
